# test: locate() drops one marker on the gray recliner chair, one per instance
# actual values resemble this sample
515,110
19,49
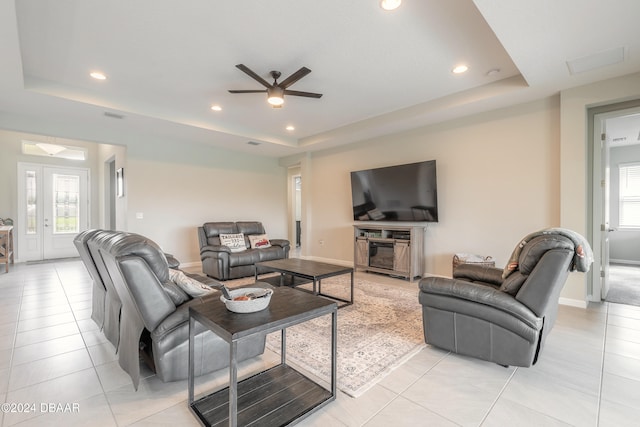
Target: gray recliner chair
152,312
503,315
96,240
98,290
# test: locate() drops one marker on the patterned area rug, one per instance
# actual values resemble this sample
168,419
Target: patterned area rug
379,332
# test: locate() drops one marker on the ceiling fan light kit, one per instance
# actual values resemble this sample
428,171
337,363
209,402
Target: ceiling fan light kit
275,96
390,4
276,91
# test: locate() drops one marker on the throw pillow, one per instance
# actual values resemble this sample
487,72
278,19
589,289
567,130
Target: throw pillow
235,242
189,285
259,241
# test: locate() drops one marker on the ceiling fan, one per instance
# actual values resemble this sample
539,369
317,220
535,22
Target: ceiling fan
276,91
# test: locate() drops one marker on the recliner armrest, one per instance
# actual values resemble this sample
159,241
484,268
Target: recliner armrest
478,293
204,279
172,261
479,273
280,242
218,248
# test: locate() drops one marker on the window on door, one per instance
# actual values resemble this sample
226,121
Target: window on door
31,189
66,212
630,195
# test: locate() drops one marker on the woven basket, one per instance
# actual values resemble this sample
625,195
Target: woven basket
246,306
462,258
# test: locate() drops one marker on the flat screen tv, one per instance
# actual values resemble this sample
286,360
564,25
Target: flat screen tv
396,193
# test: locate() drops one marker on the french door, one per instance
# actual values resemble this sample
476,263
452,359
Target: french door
53,207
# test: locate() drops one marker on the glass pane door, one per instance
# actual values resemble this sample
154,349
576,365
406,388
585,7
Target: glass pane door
53,207
66,209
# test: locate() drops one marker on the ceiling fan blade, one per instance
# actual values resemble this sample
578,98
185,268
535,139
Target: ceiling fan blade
247,91
305,94
294,77
253,75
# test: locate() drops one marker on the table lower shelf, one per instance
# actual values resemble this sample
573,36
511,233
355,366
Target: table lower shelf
275,397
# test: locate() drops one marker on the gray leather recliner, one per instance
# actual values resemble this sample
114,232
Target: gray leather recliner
98,290
112,305
503,316
153,316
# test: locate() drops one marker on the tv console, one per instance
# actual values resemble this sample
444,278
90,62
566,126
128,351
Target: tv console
396,250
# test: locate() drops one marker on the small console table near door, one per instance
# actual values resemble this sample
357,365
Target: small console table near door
6,245
278,396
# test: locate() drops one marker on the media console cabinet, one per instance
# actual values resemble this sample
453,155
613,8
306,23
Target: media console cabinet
396,250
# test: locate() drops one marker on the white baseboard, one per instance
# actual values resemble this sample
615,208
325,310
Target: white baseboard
573,302
319,259
191,264
624,261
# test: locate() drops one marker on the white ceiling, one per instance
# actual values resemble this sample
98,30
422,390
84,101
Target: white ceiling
379,72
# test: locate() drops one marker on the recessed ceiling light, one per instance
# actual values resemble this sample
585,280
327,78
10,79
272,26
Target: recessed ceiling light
390,4
216,108
98,75
493,72
290,128
460,69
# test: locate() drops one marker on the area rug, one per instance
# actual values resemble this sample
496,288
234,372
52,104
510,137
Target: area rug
379,332
624,285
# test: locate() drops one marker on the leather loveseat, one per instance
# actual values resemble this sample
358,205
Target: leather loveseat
223,262
144,313
503,315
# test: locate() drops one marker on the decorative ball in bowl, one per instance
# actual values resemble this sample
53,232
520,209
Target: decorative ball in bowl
247,300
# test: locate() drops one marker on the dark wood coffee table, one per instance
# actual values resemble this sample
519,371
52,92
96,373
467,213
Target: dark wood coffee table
307,269
278,396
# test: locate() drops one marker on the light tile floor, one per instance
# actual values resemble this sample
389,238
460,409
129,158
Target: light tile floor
51,353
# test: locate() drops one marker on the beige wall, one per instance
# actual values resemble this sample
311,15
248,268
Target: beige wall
498,178
177,188
574,210
501,174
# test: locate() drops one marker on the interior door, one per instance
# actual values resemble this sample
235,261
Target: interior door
606,227
600,230
53,207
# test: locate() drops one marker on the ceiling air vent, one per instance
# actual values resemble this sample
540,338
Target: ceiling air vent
253,143
113,115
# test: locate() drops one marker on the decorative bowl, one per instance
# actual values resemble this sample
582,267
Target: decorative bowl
250,305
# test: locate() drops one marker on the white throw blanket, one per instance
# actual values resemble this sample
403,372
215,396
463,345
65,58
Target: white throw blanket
189,285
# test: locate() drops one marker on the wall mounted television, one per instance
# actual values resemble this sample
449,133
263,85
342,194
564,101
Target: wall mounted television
396,193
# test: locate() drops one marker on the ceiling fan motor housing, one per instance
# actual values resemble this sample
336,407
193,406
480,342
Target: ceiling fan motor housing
275,75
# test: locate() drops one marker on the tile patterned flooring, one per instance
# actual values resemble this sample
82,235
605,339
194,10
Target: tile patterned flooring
51,353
